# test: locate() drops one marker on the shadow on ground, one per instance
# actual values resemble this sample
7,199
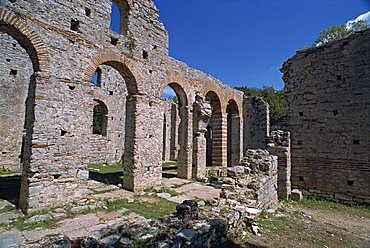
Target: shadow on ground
10,188
108,178
231,244
169,171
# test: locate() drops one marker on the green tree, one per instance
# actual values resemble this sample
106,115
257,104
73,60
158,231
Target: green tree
338,32
273,97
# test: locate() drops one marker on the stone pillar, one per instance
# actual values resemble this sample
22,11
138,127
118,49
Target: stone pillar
279,145
233,141
174,133
219,139
256,123
184,140
55,157
143,146
202,111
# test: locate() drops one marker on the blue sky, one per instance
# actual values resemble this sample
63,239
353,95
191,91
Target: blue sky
245,42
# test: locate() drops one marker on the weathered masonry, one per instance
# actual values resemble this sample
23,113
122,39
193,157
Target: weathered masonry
74,92
327,91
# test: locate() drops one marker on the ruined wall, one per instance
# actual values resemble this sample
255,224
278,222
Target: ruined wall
16,71
279,145
256,123
112,91
327,94
66,42
64,96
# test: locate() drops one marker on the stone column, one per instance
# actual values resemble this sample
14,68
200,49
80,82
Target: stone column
143,146
174,133
184,140
279,145
202,111
219,139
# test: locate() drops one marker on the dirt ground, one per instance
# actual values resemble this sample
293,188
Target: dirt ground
312,224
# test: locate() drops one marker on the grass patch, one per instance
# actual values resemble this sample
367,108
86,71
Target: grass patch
168,191
150,207
316,204
19,224
4,171
169,165
106,168
7,208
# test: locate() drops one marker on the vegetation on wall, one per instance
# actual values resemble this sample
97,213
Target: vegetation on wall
337,32
273,97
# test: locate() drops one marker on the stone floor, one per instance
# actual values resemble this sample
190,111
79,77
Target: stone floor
86,224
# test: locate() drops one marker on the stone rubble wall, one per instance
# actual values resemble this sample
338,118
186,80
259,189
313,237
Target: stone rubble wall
186,228
248,189
254,182
327,94
279,145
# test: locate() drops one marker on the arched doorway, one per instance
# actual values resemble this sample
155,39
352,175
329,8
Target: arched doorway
112,124
233,134
17,87
175,133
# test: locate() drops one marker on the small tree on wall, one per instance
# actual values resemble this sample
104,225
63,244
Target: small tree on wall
273,97
338,32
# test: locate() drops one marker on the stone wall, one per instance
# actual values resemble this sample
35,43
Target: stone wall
66,42
16,71
279,145
327,95
254,182
256,123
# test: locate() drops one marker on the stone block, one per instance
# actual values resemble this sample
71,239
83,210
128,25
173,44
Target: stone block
296,195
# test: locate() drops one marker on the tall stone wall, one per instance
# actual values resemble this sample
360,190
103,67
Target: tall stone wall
256,123
16,71
327,94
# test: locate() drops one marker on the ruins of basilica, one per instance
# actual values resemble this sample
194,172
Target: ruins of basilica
63,70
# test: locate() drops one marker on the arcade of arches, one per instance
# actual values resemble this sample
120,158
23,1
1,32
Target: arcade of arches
74,92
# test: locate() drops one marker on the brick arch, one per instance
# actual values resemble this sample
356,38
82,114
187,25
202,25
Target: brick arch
27,37
174,78
121,63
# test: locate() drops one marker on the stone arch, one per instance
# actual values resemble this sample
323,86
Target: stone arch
180,93
233,133
27,38
182,134
216,133
215,101
122,64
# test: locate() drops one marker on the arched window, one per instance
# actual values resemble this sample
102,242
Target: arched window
119,17
100,118
96,78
